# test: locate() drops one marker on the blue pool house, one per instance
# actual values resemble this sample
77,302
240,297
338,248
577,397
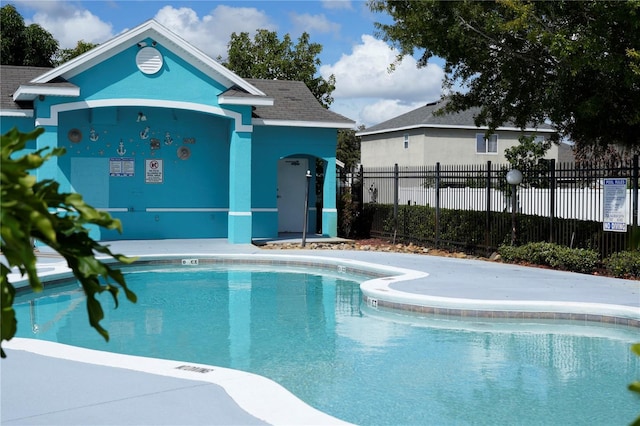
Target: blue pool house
174,144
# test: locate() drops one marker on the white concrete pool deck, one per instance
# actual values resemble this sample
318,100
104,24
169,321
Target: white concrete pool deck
53,384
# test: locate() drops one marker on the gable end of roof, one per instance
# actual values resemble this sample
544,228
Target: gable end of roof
162,35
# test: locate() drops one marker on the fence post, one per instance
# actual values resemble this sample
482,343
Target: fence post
552,196
396,182
360,187
487,216
634,178
438,204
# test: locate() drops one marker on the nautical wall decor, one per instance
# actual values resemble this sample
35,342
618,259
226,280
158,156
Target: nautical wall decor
74,135
121,151
93,135
184,152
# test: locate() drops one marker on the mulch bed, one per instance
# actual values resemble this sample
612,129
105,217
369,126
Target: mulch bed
378,244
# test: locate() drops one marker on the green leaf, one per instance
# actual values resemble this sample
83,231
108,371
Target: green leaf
32,209
44,225
96,314
9,323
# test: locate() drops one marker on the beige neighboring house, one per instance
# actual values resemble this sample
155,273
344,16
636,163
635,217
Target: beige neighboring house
419,138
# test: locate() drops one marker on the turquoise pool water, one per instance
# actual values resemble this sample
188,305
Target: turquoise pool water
308,331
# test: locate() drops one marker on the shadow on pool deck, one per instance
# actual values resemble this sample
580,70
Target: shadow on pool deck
296,238
47,383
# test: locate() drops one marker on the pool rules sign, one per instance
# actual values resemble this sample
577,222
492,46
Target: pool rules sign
615,208
153,171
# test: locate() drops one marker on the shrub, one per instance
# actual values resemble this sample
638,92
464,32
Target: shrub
556,256
347,213
623,264
477,231
576,260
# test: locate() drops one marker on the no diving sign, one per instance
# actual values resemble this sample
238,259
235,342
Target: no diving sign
153,171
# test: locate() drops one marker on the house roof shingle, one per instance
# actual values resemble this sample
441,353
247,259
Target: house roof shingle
293,101
425,117
11,77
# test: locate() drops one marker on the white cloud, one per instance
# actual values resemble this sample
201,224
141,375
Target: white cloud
337,4
212,32
365,83
371,111
365,73
313,24
383,110
68,24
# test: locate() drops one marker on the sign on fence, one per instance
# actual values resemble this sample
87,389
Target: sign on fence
614,205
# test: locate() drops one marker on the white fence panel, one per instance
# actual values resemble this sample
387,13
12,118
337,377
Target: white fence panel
578,203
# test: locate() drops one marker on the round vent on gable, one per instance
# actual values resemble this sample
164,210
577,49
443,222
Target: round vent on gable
149,60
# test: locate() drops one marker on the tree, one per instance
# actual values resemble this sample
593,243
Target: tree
528,153
569,62
22,45
269,58
348,150
36,210
12,36
65,55
528,157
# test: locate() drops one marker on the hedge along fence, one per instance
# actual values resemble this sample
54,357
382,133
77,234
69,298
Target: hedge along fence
472,205
467,229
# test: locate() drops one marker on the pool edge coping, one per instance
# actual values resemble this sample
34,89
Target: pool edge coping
377,292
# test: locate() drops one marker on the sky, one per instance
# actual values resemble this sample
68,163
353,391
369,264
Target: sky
366,91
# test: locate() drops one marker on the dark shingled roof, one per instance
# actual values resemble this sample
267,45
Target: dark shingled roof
292,101
11,77
424,116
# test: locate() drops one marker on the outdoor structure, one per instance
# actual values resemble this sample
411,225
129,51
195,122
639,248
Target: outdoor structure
174,144
420,137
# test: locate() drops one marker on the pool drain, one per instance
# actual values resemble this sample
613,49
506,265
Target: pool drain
194,369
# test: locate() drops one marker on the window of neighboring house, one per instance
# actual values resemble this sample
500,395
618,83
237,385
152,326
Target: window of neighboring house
486,145
406,140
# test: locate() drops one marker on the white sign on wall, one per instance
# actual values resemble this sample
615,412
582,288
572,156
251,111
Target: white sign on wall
615,209
121,166
153,171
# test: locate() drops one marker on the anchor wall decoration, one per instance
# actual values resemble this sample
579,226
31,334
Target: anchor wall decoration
121,150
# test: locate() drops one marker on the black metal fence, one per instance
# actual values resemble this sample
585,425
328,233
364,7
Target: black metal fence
566,203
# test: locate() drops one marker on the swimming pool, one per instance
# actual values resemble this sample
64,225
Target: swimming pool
308,331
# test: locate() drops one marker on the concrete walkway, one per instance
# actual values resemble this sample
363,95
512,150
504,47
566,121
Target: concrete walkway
50,383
